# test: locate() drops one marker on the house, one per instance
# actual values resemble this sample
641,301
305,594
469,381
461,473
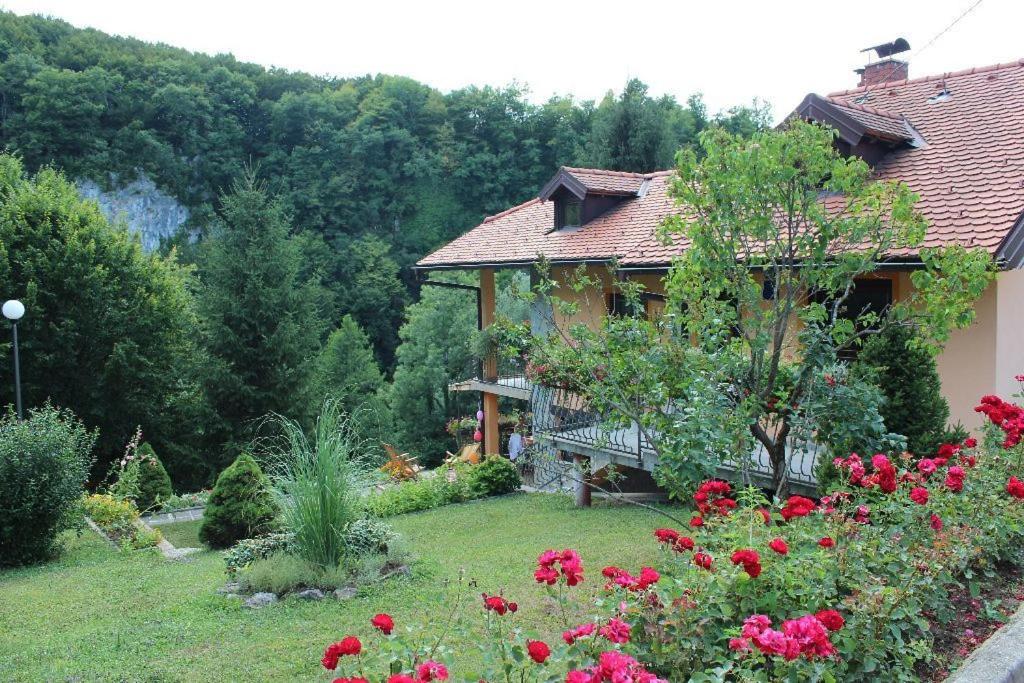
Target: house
957,139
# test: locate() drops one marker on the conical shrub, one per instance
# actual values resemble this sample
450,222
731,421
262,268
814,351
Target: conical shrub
154,482
240,505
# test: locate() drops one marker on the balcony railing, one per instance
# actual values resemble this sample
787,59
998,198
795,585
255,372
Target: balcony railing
564,419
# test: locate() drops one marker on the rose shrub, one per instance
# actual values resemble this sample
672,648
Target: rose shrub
844,588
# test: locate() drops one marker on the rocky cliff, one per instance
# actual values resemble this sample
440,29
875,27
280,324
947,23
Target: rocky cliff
147,210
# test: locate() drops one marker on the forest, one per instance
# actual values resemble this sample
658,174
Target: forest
310,198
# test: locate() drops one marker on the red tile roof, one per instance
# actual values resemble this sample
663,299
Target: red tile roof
969,174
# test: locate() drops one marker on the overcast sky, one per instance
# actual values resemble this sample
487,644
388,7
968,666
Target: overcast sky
731,51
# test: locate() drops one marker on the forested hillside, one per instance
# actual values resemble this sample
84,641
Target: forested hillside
308,200
377,170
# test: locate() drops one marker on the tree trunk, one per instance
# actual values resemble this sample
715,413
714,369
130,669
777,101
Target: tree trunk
777,456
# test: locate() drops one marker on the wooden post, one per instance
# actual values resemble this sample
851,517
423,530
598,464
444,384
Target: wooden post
582,489
492,439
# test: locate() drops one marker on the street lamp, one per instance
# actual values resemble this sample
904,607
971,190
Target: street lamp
13,310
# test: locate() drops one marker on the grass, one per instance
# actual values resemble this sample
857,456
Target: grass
97,615
182,534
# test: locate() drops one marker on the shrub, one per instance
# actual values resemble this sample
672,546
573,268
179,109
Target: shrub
907,375
445,487
319,485
185,500
240,505
154,482
44,463
495,476
369,536
119,519
248,550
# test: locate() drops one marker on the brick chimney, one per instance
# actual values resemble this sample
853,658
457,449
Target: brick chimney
883,71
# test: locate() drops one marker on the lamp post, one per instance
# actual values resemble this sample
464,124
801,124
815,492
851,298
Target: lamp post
13,310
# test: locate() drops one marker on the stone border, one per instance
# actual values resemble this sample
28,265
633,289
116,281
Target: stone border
183,515
1000,659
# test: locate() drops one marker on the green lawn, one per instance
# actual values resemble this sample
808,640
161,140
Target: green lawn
99,615
182,534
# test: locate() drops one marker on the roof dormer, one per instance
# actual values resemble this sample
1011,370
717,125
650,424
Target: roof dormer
581,195
862,131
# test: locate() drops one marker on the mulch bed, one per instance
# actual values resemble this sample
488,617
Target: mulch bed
977,618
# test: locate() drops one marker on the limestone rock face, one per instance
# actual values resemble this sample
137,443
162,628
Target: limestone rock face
148,210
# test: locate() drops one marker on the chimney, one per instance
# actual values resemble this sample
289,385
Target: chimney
886,69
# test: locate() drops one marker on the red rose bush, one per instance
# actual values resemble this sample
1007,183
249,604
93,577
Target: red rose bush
840,587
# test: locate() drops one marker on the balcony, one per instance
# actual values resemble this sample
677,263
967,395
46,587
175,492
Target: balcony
562,420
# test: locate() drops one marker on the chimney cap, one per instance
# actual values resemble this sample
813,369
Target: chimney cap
889,49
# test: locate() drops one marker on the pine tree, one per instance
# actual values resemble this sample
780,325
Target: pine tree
907,375
346,369
154,482
261,322
240,505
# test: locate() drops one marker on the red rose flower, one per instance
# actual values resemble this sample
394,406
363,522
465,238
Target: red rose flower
702,560
936,522
666,535
826,542
779,546
1015,487
683,543
498,604
797,506
349,645
696,521
970,442
401,678
538,650
431,671
832,619
919,495
616,630
767,516
581,631
383,623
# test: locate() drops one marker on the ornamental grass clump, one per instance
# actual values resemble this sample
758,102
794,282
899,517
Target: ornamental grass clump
319,484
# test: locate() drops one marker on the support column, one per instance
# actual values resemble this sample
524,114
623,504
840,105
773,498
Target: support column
583,491
492,440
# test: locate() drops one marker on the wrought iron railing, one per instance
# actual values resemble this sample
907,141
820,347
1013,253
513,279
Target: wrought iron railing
565,415
564,418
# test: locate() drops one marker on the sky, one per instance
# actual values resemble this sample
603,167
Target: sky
730,50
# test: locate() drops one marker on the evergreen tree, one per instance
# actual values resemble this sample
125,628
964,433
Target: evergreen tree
907,375
154,482
436,349
240,505
261,321
346,369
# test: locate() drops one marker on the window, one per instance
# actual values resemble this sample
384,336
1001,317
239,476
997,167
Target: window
869,295
569,213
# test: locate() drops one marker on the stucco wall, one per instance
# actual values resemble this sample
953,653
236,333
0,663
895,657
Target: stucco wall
967,366
1009,332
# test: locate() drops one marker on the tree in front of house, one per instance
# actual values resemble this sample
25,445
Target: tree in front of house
261,322
779,227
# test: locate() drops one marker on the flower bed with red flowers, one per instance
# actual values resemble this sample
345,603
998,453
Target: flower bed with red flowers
848,587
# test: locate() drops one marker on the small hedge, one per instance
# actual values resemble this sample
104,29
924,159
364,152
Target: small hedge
44,463
494,476
240,505
154,482
119,520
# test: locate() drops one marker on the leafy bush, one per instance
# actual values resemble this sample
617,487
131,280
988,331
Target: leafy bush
495,476
185,500
119,519
154,482
368,536
248,550
319,485
907,375
44,464
240,505
448,484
